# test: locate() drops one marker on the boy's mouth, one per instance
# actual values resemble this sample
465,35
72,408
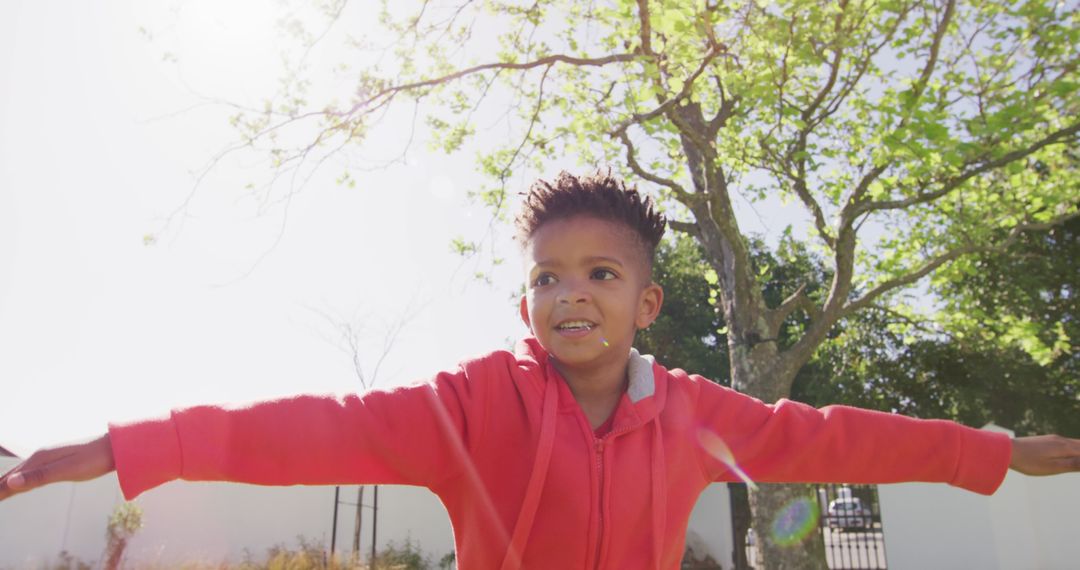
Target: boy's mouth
577,325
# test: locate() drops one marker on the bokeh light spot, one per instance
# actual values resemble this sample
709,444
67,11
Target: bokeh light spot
796,521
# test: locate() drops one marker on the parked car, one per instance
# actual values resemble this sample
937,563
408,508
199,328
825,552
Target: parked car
850,513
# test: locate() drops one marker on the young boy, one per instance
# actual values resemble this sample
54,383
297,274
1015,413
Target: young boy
574,451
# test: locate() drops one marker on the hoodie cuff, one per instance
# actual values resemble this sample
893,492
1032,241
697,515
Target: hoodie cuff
146,454
984,461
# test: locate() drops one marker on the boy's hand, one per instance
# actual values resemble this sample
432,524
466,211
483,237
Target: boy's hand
79,462
1045,455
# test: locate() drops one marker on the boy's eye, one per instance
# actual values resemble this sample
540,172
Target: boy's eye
603,274
543,279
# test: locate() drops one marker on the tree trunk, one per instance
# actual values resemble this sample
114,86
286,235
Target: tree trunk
785,517
786,524
758,367
116,553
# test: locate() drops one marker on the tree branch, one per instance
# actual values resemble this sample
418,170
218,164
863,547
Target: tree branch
935,48
688,228
646,27
544,61
524,140
852,208
725,112
955,182
914,323
952,255
669,104
801,190
797,300
834,71
798,153
635,166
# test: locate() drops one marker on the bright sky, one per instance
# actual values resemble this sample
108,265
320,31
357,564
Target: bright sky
100,135
95,326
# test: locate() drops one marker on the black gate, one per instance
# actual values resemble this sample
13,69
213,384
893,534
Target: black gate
849,523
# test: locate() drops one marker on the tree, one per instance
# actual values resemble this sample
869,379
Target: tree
65,561
875,360
1004,350
972,383
407,556
921,116
349,336
690,330
1025,300
124,522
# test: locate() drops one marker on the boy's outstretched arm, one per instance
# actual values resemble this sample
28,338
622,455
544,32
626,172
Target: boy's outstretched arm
1045,455
416,435
77,462
793,442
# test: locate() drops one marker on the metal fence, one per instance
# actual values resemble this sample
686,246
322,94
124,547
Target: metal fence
849,524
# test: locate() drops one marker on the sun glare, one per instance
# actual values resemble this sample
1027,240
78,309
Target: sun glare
228,46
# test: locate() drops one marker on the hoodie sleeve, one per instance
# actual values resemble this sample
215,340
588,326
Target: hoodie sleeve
414,435
793,442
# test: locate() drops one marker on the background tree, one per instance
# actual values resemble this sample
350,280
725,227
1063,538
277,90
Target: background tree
349,335
883,360
691,332
1004,348
921,116
124,522
406,556
65,561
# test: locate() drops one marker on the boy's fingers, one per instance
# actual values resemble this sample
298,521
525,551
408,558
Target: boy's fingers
25,480
1068,454
11,483
5,487
79,462
1070,464
1046,455
20,481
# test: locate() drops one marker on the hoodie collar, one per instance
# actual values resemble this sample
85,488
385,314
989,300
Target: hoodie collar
642,382
645,393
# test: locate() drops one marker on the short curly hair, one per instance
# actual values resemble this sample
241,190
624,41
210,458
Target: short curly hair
600,196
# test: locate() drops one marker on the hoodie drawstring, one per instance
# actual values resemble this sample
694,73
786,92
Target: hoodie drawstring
527,515
659,493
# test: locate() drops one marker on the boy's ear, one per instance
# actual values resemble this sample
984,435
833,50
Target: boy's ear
649,303
524,311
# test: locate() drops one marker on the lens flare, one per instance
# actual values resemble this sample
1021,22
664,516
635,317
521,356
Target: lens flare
714,445
796,521
605,342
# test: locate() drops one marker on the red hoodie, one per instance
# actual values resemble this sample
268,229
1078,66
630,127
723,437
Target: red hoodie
526,481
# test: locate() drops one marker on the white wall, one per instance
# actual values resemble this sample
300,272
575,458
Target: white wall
710,525
35,527
210,522
1030,523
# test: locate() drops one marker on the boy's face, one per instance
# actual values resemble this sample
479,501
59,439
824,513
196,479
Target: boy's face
587,291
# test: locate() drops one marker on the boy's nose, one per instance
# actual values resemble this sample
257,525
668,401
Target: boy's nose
573,294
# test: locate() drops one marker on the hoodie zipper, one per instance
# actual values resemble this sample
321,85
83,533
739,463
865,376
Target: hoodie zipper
600,443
